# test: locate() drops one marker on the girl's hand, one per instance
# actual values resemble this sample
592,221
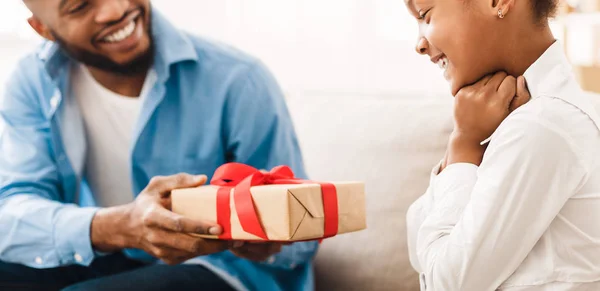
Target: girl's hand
478,111
480,108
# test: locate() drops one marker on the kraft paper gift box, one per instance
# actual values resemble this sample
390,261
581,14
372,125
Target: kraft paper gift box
285,212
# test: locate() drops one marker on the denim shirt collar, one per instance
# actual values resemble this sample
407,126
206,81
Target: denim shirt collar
171,46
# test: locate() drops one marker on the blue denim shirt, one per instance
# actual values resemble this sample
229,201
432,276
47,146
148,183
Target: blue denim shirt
210,104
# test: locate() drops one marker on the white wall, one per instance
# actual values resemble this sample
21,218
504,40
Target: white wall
349,46
338,47
312,46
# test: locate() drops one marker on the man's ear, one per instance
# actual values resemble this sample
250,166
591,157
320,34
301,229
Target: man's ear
40,28
502,5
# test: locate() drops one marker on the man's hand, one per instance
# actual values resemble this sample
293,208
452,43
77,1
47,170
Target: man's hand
148,224
478,111
258,251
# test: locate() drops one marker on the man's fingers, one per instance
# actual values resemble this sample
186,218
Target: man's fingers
165,219
175,240
507,91
211,246
258,251
263,249
178,245
251,255
164,185
523,96
169,255
275,248
199,247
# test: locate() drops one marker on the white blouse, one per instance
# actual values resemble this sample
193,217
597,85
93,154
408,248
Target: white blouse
528,218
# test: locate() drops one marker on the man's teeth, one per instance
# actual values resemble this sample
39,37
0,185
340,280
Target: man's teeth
121,34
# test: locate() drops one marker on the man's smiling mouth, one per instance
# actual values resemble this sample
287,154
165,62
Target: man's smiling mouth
121,34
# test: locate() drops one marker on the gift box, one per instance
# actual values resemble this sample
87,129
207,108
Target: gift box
275,206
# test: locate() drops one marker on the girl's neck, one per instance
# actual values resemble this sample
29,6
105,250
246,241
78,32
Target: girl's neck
525,47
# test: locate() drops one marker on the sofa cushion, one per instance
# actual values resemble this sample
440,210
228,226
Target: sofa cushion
391,143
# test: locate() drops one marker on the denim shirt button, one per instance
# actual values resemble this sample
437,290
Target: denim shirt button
78,258
54,101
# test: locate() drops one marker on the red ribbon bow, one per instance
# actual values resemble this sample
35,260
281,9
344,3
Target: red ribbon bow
242,177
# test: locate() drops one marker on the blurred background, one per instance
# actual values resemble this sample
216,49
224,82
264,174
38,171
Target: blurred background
316,46
349,46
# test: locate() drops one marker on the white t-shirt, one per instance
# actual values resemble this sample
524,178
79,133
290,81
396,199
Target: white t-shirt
109,120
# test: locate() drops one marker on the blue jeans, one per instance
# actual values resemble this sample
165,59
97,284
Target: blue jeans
114,272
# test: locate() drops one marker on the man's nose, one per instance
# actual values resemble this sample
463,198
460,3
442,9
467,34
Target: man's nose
111,10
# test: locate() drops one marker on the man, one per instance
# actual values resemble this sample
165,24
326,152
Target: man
118,102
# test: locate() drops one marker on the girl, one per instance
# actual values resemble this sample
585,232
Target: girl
522,212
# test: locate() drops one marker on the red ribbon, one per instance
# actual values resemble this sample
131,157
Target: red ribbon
241,177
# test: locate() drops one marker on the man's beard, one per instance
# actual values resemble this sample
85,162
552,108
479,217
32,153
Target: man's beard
139,65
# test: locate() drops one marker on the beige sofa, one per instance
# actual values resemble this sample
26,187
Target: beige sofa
392,144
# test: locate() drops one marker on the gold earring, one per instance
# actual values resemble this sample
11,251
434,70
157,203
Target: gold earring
500,14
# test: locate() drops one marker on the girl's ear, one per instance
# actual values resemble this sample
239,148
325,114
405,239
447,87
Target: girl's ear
501,8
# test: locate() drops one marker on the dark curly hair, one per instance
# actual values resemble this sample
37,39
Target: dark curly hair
544,9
